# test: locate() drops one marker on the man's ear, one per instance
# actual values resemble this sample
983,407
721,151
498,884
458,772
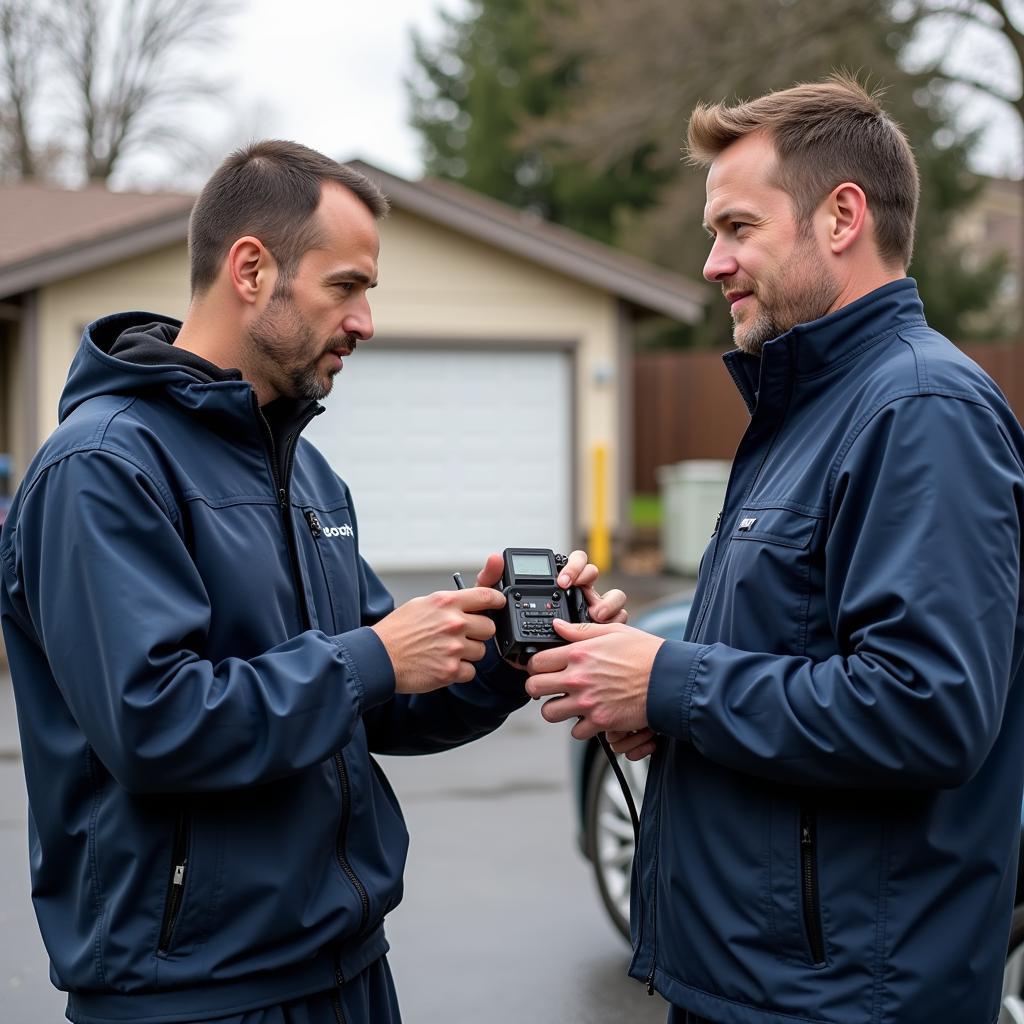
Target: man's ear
251,269
847,208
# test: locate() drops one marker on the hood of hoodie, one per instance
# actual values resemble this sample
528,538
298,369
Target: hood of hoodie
119,355
152,344
133,354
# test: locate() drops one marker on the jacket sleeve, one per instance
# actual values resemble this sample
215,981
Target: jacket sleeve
108,587
429,722
425,723
922,589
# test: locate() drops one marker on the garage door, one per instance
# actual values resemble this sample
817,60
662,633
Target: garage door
451,454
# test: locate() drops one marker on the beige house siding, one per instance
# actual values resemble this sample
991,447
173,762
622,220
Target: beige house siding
436,285
156,282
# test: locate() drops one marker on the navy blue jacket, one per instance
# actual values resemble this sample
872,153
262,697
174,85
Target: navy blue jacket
198,694
830,826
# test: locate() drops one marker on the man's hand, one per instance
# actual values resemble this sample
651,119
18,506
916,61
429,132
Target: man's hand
579,572
600,677
433,641
635,745
490,574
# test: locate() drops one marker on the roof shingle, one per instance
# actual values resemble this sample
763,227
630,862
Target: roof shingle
36,220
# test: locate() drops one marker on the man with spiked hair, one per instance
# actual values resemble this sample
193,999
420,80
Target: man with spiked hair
829,832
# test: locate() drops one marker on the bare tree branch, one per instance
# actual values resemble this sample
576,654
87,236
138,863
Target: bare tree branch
18,29
959,78
125,66
973,10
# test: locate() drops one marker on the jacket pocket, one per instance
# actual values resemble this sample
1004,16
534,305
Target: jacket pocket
328,547
7,555
809,885
762,594
776,526
176,883
794,896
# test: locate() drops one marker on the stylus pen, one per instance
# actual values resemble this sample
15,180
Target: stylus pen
459,585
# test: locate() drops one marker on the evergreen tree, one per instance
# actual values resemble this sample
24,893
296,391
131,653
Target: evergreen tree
473,93
578,110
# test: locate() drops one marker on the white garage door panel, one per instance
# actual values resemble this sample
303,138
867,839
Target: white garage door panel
452,454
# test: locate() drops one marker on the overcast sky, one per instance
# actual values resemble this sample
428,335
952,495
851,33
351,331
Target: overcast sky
330,73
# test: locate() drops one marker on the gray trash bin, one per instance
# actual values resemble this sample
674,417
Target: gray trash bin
692,494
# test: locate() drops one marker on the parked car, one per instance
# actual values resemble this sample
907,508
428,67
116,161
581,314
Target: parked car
605,831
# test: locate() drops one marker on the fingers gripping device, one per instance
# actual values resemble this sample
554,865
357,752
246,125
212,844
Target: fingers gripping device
533,600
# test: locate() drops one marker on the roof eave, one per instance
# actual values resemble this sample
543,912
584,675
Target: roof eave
600,269
643,285
48,268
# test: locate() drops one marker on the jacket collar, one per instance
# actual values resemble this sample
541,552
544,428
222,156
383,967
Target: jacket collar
228,406
819,346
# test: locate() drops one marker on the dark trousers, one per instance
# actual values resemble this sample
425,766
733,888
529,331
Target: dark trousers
368,998
678,1016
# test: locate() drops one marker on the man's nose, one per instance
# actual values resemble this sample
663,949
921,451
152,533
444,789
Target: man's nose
720,262
359,322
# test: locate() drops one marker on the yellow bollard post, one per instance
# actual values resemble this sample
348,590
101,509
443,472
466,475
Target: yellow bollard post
599,546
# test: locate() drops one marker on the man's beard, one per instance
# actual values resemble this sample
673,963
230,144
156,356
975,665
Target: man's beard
280,337
801,290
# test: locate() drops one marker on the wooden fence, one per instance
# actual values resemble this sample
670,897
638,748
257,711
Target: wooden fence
686,405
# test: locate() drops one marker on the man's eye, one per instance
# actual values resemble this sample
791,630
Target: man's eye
345,287
736,225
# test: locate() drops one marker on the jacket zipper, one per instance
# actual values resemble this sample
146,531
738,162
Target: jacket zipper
654,900
652,904
339,760
346,803
176,885
727,506
316,530
654,930
339,1016
281,487
809,880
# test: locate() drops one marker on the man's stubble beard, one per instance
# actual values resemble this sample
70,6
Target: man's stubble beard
801,290
279,338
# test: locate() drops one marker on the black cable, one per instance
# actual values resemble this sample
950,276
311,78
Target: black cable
626,792
584,616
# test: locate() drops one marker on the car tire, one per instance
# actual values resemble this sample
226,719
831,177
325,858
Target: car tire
1012,1006
609,832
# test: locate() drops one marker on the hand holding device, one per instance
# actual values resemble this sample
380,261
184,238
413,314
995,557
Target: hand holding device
579,572
576,575
433,641
600,677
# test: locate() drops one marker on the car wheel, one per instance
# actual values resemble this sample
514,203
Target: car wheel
1012,1011
609,832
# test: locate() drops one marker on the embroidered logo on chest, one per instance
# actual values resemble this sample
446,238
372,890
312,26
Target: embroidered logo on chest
338,531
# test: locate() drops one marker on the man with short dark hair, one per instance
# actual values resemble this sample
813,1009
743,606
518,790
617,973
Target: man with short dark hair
830,826
202,661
